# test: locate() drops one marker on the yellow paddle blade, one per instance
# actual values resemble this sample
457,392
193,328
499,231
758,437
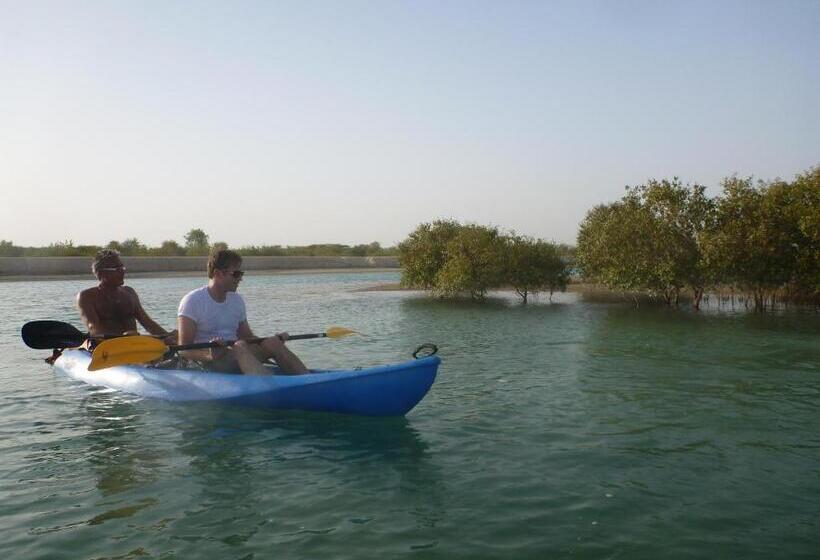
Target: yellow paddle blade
339,332
126,350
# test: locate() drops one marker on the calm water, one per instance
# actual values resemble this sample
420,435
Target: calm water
563,430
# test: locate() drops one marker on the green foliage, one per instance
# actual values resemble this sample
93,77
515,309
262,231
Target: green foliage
804,211
9,249
196,242
615,246
764,236
679,214
474,263
423,254
649,241
132,248
59,249
534,266
325,250
450,259
370,250
64,249
169,248
262,251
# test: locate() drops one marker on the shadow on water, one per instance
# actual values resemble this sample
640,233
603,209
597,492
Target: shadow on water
383,438
212,436
282,473
239,472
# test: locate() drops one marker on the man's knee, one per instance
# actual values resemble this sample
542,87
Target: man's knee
272,345
241,348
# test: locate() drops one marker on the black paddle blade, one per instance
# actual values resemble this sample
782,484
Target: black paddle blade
44,335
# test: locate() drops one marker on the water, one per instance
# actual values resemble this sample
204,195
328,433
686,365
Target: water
557,430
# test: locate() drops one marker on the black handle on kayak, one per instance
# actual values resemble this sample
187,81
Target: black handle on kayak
429,347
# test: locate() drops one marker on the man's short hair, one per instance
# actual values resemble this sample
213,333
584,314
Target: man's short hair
222,259
102,256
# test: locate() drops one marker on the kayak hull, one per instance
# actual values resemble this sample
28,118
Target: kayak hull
391,390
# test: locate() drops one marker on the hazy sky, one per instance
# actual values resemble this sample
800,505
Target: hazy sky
342,121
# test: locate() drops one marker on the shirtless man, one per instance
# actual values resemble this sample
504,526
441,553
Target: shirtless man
215,312
111,308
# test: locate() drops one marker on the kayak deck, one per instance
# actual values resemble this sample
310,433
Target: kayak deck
390,390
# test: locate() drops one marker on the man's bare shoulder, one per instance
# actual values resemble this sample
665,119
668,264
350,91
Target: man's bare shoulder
88,293
129,290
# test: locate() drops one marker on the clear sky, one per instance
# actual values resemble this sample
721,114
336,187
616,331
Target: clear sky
354,121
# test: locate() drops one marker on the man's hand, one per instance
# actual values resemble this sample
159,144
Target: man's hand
219,351
171,337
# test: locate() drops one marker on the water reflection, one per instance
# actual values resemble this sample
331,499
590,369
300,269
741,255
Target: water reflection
206,430
299,475
230,478
123,458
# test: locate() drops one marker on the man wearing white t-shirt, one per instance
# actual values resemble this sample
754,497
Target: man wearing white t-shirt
216,313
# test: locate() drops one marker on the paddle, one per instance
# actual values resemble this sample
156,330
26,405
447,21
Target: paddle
143,349
45,335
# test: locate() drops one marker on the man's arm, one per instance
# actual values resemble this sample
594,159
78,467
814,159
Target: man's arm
142,316
187,331
244,332
85,304
146,321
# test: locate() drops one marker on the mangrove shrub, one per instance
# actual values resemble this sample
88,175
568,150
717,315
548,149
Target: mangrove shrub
649,240
450,259
534,265
662,237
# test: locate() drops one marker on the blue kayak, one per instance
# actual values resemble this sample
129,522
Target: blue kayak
391,390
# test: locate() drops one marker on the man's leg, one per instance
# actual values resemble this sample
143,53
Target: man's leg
247,358
287,361
241,357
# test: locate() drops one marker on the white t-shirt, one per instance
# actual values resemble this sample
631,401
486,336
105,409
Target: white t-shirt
213,319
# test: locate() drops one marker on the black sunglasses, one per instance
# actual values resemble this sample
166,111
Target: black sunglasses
236,273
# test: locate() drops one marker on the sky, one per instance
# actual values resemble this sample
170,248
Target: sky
291,123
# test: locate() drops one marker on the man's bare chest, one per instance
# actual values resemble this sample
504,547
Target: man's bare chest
115,305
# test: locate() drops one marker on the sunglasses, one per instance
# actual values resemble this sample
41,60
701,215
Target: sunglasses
238,274
112,269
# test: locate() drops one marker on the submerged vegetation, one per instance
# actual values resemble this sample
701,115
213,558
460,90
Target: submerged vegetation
760,239
197,243
450,259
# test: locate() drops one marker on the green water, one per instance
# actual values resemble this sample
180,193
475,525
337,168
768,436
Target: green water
557,430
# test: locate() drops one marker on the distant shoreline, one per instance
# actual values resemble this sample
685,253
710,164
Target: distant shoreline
15,269
188,274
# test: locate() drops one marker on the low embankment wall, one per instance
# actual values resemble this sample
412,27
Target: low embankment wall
81,266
